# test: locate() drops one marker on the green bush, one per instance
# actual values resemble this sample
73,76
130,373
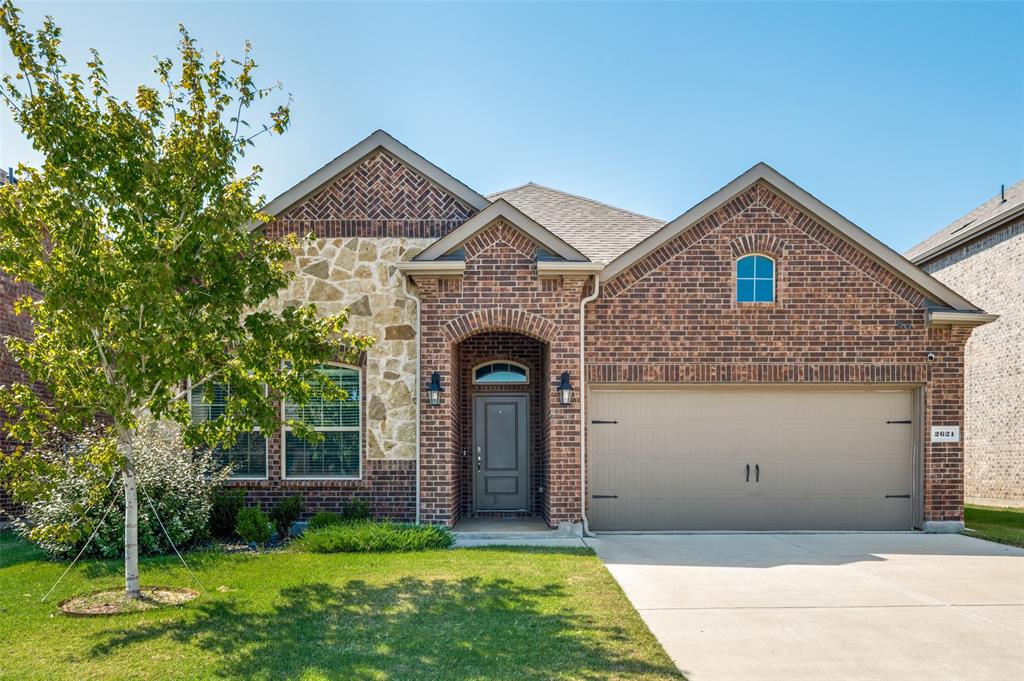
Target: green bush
324,519
284,513
224,512
66,505
253,525
374,537
356,510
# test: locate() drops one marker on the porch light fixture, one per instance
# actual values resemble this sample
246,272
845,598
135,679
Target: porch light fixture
564,389
434,390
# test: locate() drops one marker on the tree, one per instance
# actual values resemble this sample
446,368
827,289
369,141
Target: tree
133,229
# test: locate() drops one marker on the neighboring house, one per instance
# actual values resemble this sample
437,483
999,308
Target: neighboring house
757,363
10,325
981,255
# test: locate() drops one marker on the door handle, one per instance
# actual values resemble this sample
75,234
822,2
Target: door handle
757,472
478,460
748,472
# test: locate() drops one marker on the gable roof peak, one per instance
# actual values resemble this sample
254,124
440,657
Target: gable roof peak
806,202
378,139
501,208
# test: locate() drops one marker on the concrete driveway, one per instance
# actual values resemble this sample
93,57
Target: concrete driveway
827,606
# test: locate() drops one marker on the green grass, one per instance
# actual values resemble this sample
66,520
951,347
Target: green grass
454,614
373,536
1004,525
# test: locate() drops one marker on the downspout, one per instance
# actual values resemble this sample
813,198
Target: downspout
418,396
583,410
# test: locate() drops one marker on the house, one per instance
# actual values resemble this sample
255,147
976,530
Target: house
10,325
981,255
759,362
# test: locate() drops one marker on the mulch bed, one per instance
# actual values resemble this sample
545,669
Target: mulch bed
115,602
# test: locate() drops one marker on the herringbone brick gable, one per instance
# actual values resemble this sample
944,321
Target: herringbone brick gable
381,187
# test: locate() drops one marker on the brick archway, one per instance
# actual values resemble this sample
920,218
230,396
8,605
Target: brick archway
499,319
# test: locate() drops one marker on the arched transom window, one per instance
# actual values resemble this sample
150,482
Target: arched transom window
501,373
755,279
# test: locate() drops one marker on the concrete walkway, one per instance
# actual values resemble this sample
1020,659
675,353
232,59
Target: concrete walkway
872,607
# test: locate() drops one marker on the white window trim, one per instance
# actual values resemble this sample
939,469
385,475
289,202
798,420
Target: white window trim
266,440
501,361
349,429
737,277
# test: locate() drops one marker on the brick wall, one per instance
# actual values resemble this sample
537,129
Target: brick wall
989,272
500,291
18,326
673,319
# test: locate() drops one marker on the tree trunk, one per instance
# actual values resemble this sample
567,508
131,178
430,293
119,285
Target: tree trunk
131,520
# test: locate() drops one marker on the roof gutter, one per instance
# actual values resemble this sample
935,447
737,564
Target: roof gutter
958,318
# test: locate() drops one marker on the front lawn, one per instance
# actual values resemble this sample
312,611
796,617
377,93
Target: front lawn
1004,525
457,614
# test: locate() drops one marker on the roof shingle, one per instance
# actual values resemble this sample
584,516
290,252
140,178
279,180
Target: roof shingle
986,211
599,231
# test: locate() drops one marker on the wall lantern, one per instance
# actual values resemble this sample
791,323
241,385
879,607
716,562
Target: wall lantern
434,391
564,389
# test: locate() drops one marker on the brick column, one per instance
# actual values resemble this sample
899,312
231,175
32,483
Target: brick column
563,472
438,432
944,461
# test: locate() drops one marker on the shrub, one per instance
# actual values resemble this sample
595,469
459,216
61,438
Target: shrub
373,537
68,505
356,510
226,505
324,519
253,526
284,513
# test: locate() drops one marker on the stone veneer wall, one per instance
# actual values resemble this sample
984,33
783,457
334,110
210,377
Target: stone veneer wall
989,272
373,215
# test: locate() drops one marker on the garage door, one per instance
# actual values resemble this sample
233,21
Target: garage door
751,459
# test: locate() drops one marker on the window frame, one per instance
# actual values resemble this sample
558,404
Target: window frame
526,372
755,279
343,429
266,440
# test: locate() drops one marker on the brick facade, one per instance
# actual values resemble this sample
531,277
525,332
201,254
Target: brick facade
18,326
989,271
673,318
500,291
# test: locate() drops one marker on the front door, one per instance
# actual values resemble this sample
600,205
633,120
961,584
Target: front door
500,452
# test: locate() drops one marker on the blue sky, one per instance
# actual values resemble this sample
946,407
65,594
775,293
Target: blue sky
899,116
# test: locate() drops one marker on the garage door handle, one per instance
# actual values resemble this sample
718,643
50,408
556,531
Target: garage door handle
897,496
757,472
604,496
904,421
748,472
600,421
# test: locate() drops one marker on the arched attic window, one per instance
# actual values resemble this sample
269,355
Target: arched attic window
500,373
755,279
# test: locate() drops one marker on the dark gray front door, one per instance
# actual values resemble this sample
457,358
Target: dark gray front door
500,452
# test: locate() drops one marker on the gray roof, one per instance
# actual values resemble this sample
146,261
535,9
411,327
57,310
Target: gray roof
988,212
599,231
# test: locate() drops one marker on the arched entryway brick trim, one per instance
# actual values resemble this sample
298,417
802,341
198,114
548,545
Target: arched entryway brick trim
499,319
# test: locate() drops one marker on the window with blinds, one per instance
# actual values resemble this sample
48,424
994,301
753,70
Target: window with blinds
247,457
338,455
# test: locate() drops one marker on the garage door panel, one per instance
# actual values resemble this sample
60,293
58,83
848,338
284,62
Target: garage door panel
676,459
